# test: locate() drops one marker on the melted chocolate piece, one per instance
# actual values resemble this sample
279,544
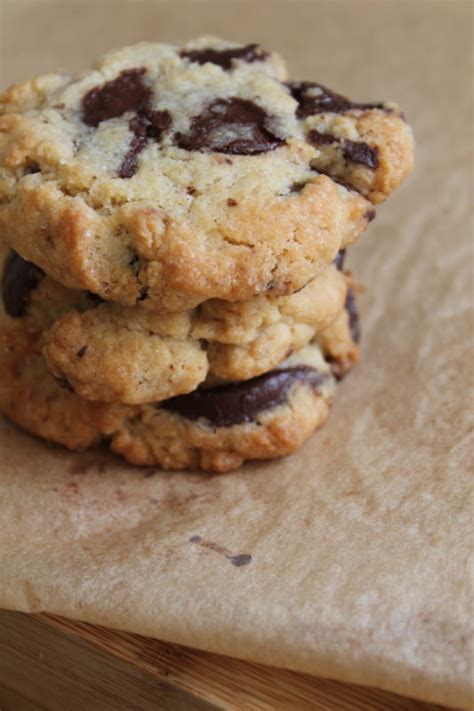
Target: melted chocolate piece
129,164
351,308
339,259
128,92
20,278
234,125
316,138
325,101
297,187
147,124
360,152
235,403
356,151
225,57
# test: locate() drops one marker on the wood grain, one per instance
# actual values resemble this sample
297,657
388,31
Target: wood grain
53,664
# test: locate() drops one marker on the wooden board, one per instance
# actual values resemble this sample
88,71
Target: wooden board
51,664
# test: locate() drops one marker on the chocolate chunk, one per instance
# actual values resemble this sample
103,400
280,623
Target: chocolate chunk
361,152
159,122
317,99
339,259
147,124
20,278
128,167
225,57
235,403
370,215
231,202
356,151
297,187
126,93
321,139
353,313
81,352
234,125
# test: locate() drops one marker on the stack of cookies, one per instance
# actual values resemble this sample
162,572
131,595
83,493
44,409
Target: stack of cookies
174,224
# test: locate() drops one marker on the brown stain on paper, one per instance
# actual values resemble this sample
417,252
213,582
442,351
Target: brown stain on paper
238,560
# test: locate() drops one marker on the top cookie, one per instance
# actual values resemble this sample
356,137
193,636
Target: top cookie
169,175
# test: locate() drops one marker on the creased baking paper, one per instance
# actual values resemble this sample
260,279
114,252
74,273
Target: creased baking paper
350,558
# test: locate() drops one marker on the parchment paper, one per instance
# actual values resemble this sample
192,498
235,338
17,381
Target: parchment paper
360,542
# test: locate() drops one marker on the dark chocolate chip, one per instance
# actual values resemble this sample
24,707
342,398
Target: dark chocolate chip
81,352
370,215
297,187
225,57
143,294
360,152
158,121
234,403
64,384
147,124
316,138
128,92
234,125
353,313
231,202
20,278
129,163
356,151
339,259
323,101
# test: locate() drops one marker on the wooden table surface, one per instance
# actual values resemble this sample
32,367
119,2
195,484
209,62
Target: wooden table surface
51,664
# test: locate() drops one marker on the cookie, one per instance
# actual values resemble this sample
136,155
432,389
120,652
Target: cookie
367,146
339,341
214,429
166,176
110,353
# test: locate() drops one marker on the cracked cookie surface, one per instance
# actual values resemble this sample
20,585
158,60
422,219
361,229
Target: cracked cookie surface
166,176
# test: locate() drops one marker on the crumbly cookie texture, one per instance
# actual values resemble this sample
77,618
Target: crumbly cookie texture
166,176
214,429
368,146
108,352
